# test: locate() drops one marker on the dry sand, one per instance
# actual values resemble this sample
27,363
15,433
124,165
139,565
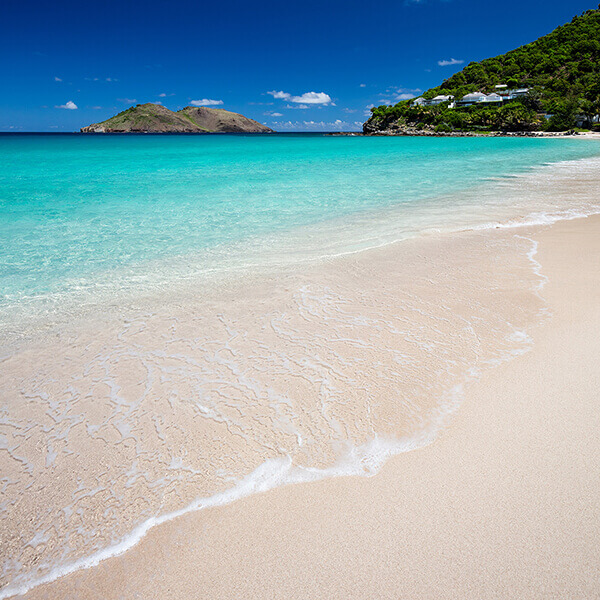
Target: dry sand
505,504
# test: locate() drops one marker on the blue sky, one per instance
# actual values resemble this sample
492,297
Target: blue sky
296,66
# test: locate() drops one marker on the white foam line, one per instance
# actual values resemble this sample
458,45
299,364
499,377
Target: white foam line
536,219
365,460
537,267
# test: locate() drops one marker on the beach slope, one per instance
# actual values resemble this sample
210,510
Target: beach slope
505,504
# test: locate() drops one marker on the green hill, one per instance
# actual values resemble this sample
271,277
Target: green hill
561,70
155,118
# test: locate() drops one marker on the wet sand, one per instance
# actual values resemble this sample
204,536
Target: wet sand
505,503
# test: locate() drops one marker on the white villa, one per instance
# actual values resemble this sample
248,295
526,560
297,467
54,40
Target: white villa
502,90
434,101
478,98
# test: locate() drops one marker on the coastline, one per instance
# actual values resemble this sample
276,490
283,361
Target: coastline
505,500
412,132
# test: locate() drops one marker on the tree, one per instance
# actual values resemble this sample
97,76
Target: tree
564,116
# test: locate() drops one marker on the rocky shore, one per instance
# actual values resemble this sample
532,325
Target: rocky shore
414,132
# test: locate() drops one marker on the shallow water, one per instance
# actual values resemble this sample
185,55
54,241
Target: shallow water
84,217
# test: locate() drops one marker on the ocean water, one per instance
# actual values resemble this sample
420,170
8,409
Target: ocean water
189,320
81,216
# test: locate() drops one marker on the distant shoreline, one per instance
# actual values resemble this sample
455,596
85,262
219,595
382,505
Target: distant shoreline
508,134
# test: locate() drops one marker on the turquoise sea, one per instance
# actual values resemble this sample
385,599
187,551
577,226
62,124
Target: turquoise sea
80,214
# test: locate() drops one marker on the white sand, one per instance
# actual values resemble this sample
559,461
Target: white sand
505,504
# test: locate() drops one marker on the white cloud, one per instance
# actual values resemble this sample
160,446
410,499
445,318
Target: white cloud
406,96
398,91
452,61
363,85
206,102
306,98
163,95
312,98
275,114
280,95
57,79
109,79
300,106
70,105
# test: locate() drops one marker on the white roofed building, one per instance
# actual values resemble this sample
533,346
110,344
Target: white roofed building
434,101
441,99
521,93
470,99
492,98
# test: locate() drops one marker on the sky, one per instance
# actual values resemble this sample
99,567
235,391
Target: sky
294,65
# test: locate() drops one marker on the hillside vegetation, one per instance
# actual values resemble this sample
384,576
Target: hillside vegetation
155,118
562,70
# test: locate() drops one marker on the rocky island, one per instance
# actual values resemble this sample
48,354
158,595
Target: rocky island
155,118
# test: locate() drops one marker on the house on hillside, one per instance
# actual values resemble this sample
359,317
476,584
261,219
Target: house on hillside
493,99
521,93
507,94
502,94
471,99
502,91
434,101
441,100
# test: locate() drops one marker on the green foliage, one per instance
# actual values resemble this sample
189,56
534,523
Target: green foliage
563,117
514,116
562,69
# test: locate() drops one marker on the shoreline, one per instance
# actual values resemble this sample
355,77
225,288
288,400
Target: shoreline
240,262
489,134
518,288
458,518
362,349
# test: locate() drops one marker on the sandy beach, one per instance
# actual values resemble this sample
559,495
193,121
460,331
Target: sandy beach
504,503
